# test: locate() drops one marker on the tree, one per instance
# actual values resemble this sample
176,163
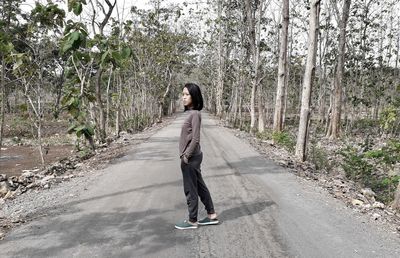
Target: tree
309,72
221,62
9,10
335,124
253,22
34,60
282,70
78,97
100,107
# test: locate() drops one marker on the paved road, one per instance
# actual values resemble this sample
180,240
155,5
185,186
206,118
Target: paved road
265,211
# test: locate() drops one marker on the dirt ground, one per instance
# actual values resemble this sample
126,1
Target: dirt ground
17,125
19,151
15,159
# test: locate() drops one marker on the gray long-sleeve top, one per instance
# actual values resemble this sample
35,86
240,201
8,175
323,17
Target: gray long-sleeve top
189,143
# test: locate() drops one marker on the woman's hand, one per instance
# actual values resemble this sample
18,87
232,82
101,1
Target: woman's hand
185,159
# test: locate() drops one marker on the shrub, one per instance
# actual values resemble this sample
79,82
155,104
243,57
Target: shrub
284,139
85,153
137,123
245,126
266,135
320,158
356,166
389,119
20,127
365,126
386,188
362,164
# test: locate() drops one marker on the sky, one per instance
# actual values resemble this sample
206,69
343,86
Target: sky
123,6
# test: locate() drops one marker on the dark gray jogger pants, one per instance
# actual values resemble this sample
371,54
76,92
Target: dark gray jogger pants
194,187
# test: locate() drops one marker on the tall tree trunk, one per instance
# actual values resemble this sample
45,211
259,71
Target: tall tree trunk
233,106
289,58
59,94
220,83
3,100
338,80
282,70
164,96
39,135
254,41
108,102
305,113
323,78
100,107
396,202
118,115
261,117
251,38
394,88
261,113
240,107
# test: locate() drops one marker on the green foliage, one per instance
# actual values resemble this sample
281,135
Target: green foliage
20,127
284,139
355,165
5,45
49,16
85,153
389,118
245,126
116,57
320,158
79,130
386,187
75,36
137,123
266,135
76,6
73,41
73,103
20,60
366,126
362,165
23,108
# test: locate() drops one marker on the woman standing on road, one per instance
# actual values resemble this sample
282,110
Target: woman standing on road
191,158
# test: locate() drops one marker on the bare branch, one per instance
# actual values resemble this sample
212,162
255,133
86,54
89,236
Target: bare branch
101,6
108,15
93,17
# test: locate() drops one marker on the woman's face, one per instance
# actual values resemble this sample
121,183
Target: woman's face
186,98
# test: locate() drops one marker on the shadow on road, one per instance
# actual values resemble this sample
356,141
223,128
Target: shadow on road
124,231
251,165
247,209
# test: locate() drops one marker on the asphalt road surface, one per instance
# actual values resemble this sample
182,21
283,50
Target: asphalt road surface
265,211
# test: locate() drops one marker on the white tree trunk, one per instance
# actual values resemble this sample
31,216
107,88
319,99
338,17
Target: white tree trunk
308,81
396,202
282,70
108,102
261,113
118,115
220,83
261,116
254,40
338,80
3,100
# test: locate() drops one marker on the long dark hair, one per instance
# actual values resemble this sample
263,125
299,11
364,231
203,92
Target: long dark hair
195,93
